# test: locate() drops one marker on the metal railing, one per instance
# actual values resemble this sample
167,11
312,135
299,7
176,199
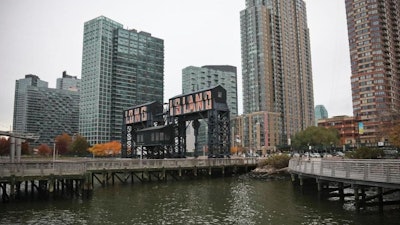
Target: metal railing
41,169
382,171
81,167
164,163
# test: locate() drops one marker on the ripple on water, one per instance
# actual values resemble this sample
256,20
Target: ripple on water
236,201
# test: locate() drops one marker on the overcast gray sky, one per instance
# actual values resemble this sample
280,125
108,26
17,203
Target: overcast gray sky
44,37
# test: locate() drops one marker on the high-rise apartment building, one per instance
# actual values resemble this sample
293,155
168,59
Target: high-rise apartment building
320,113
68,82
120,68
44,112
20,100
276,68
374,37
198,78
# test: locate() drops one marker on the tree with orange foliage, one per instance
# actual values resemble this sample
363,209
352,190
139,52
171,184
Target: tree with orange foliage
63,142
44,150
107,149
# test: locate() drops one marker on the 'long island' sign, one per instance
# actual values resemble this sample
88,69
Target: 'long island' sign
194,102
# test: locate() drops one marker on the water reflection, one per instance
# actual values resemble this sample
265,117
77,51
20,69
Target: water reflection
238,201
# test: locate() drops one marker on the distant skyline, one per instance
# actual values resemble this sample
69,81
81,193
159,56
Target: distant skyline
44,37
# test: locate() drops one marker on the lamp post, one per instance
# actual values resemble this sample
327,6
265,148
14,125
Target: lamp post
54,151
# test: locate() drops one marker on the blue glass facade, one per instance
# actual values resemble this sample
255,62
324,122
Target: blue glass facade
119,67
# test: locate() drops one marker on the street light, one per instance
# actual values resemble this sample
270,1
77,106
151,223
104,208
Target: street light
54,151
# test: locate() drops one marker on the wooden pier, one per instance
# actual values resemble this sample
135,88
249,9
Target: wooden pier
59,179
333,177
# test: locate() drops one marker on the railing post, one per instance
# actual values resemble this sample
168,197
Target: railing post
312,167
365,170
388,177
41,169
321,168
347,168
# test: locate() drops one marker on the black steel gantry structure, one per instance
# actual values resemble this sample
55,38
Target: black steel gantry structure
154,130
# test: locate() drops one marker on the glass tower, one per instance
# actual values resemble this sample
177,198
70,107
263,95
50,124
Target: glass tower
276,67
20,100
120,68
44,112
320,113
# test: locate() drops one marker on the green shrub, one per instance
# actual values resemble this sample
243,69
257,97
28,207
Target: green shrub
366,153
276,161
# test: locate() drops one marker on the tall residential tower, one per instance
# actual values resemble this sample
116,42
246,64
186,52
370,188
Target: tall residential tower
120,68
20,100
276,69
374,37
44,112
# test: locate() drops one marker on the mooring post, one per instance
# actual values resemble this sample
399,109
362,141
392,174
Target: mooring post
63,187
293,177
356,198
301,182
319,185
12,187
363,195
104,179
32,188
148,173
163,174
18,191
380,199
88,185
26,188
4,195
341,192
51,186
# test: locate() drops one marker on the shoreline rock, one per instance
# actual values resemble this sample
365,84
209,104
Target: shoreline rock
269,173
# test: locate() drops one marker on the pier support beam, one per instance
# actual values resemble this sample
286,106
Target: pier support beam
380,199
356,198
341,192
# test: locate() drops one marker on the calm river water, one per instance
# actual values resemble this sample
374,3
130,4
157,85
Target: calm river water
237,200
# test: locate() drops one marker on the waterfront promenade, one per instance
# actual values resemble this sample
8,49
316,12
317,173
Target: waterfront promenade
380,173
79,176
79,167
333,176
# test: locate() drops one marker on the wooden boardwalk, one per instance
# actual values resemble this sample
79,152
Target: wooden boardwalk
379,173
80,167
78,177
333,176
